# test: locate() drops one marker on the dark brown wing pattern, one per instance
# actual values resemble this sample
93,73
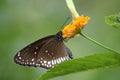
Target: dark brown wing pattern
46,52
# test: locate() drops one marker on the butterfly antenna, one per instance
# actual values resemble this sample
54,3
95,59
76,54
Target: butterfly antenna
65,21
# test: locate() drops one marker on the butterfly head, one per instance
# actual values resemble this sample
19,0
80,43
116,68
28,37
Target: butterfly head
59,36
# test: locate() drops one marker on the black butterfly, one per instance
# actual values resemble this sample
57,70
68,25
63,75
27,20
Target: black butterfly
46,52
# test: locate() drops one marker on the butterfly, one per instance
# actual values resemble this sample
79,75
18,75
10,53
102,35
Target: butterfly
46,52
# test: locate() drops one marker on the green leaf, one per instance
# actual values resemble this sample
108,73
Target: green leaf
113,20
96,61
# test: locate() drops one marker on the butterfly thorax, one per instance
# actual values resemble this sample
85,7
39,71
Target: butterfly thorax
59,36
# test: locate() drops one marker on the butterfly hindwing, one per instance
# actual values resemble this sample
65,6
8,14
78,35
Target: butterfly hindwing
53,53
69,53
46,53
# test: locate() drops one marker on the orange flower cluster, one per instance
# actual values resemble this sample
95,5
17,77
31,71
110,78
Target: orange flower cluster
73,28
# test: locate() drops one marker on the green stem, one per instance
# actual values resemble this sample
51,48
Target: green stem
90,39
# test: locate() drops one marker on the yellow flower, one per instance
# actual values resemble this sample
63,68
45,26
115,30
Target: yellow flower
81,21
72,29
69,31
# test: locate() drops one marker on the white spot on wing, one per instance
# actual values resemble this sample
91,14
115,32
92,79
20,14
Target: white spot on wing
53,62
46,51
59,59
53,57
45,61
33,63
18,53
30,63
67,58
49,62
62,59
35,52
37,64
19,57
32,59
40,61
50,65
42,64
52,53
36,47
45,64
41,58
27,63
22,62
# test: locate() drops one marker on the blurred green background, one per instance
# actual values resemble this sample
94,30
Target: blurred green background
25,21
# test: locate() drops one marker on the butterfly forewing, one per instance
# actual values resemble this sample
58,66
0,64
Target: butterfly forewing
46,53
26,55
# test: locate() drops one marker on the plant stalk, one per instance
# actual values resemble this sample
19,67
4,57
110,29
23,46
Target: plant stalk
92,40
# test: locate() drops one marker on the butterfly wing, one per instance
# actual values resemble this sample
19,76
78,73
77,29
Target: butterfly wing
26,55
53,53
69,53
46,53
